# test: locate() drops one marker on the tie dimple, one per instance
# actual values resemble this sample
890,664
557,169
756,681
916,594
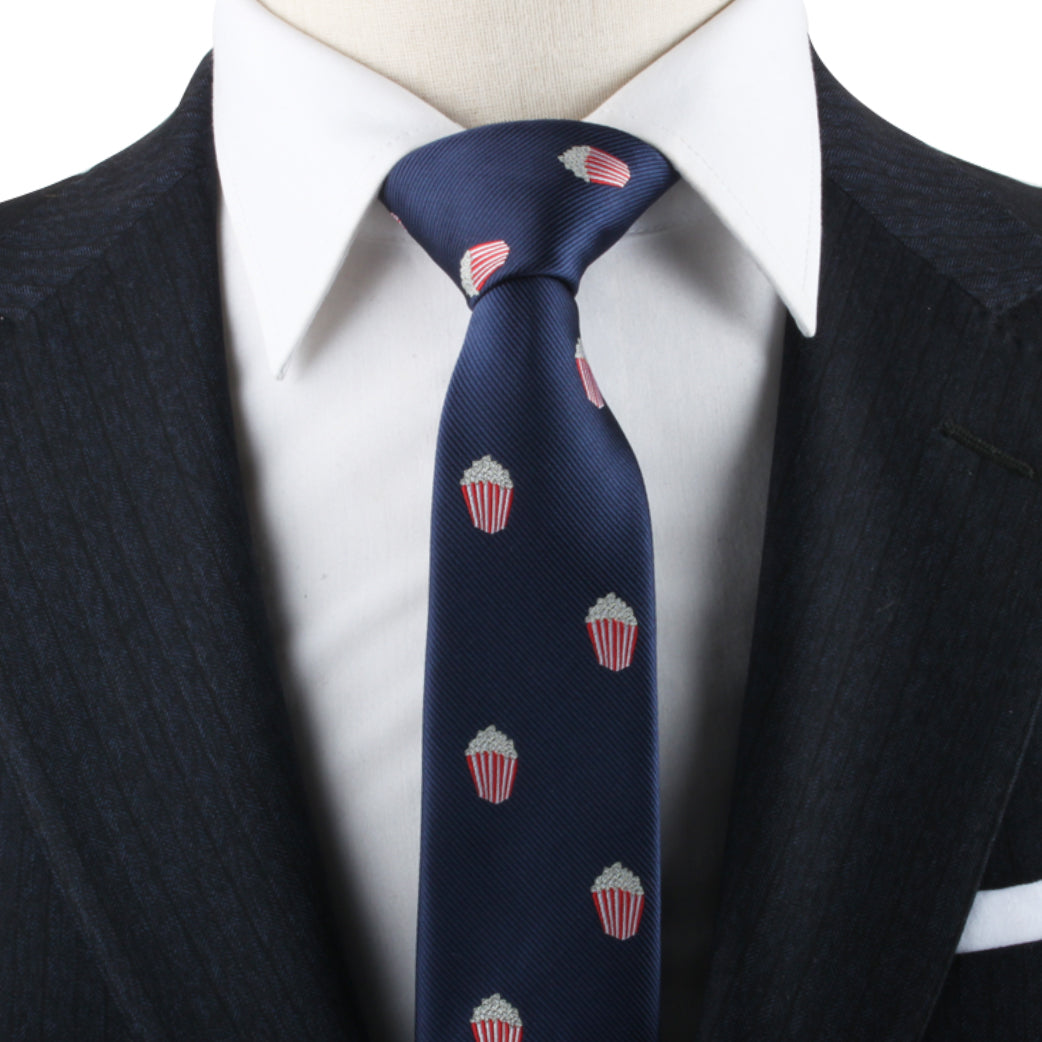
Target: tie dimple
539,894
545,188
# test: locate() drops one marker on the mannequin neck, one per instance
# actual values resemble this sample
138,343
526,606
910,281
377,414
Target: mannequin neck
482,61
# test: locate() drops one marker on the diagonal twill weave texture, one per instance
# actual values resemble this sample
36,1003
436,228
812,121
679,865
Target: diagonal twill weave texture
540,749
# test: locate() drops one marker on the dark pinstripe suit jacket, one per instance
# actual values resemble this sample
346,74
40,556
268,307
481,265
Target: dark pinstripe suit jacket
158,876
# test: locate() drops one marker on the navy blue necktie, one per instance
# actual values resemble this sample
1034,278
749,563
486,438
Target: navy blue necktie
539,875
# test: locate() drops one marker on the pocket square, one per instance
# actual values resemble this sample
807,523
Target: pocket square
999,918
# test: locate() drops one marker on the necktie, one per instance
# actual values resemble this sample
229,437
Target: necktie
539,875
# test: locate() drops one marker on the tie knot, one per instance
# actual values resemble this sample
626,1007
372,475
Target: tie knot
513,200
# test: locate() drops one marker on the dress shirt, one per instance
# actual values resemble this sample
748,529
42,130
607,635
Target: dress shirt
342,335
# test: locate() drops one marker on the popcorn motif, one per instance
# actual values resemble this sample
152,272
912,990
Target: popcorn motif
479,262
619,899
495,1020
612,627
593,392
591,164
492,760
488,493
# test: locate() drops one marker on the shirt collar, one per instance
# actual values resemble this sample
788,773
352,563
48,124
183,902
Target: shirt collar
305,136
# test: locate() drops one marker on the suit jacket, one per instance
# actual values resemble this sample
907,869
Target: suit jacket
158,874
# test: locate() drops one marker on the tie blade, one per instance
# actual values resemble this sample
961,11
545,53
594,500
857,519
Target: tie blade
521,631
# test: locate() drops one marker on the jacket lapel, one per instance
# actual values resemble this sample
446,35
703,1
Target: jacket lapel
896,667
140,711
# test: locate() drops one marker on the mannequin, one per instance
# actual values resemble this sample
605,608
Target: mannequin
481,62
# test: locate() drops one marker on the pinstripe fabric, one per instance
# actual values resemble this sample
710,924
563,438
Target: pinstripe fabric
140,715
995,995
43,997
158,878
895,672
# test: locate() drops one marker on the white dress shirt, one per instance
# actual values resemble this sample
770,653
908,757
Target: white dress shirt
342,335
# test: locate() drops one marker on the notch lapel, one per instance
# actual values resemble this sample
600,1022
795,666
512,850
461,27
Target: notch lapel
896,666
141,716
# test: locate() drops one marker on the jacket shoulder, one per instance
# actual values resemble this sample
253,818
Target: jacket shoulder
49,236
979,228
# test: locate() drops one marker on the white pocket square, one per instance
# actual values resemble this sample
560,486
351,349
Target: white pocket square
999,918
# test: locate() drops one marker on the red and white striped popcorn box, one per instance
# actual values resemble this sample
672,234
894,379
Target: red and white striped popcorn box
593,392
595,166
492,760
478,264
495,1020
488,493
612,627
619,899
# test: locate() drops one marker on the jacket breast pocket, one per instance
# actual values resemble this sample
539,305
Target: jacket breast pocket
1002,917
